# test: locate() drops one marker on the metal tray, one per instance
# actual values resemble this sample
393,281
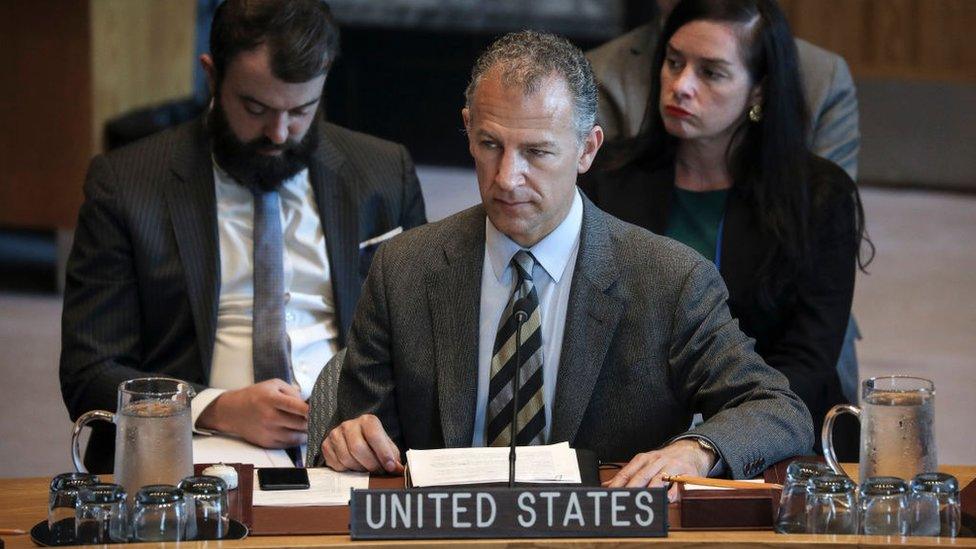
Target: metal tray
42,536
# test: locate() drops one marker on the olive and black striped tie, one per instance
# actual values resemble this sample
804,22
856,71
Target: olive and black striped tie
531,413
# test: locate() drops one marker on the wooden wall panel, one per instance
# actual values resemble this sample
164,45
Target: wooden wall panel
67,66
891,40
810,20
142,54
947,36
45,111
899,39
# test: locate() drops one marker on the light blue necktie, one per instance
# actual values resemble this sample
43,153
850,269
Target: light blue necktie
270,346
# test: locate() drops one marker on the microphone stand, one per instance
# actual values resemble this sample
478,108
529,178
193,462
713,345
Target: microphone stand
520,317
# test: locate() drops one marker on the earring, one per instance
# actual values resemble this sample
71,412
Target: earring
755,113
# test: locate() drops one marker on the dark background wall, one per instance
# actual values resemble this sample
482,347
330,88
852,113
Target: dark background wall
413,97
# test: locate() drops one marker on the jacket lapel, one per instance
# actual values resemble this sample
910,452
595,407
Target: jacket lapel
659,188
739,263
340,225
638,194
591,321
192,205
454,294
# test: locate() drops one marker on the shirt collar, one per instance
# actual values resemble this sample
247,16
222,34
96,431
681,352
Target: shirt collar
552,252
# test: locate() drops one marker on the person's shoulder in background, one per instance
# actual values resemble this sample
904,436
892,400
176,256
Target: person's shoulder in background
831,99
622,70
357,144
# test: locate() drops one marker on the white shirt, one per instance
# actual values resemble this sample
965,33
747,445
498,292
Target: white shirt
310,319
552,275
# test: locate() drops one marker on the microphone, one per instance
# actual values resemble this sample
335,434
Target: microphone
521,311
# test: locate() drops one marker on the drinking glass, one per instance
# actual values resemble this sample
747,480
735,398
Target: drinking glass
831,505
62,503
883,505
159,514
101,516
935,506
207,514
792,515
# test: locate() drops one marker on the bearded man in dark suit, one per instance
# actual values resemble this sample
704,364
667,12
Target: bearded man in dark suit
230,251
628,333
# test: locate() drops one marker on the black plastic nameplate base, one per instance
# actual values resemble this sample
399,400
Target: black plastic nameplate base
563,512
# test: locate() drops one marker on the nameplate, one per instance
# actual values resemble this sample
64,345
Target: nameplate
530,512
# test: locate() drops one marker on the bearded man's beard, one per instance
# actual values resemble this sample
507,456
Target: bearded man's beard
245,161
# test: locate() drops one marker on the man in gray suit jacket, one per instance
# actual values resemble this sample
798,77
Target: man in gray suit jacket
627,333
162,279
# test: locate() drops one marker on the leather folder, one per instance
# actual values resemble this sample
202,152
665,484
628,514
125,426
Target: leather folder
732,509
967,500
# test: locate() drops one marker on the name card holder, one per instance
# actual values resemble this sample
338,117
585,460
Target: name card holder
529,512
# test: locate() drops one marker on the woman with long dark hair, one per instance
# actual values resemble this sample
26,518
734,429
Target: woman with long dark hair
723,168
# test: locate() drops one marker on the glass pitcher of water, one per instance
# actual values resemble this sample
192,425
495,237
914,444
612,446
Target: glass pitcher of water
897,428
153,433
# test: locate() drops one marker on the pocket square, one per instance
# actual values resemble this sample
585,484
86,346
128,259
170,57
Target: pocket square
378,239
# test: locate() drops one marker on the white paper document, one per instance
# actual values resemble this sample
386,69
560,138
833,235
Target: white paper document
555,463
224,449
325,487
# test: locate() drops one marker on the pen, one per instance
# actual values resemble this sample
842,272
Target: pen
722,483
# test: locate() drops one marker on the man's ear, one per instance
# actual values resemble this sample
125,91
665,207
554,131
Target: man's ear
208,67
466,117
591,145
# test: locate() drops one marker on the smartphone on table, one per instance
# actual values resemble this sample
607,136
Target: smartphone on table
283,478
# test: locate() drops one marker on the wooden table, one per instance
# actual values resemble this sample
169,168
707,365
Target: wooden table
23,503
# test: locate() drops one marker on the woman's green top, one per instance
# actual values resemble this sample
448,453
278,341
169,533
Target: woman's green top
696,219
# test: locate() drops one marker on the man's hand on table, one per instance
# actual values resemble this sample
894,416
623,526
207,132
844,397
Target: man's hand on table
270,414
681,457
361,444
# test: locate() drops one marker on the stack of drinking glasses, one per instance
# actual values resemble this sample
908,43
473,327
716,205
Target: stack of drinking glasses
82,510
817,501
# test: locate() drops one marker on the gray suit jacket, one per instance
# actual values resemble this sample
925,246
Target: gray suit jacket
623,71
648,341
143,278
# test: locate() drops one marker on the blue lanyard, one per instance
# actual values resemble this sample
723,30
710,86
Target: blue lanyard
718,243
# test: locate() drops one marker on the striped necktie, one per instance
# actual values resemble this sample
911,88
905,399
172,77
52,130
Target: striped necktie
531,413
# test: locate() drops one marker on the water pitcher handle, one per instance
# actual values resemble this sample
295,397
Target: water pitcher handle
827,438
85,419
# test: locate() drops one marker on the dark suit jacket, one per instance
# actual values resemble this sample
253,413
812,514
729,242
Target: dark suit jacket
802,333
648,340
143,277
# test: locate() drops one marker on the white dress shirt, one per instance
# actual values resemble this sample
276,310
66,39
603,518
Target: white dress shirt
552,275
310,319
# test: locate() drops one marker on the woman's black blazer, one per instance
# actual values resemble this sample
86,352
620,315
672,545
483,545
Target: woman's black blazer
801,334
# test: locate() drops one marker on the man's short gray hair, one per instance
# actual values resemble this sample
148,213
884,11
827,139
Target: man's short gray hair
527,57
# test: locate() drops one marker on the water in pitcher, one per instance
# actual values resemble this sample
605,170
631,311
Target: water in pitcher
154,444
903,424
